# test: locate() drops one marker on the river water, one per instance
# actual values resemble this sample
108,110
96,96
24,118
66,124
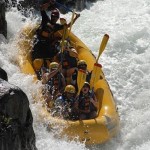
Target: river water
125,62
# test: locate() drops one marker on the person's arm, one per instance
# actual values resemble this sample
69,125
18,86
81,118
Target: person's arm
76,105
53,73
61,26
94,101
70,71
73,52
46,77
63,81
57,27
46,5
45,18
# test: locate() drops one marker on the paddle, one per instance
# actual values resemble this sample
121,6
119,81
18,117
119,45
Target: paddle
62,45
103,45
71,23
97,67
81,78
65,32
63,36
95,74
65,29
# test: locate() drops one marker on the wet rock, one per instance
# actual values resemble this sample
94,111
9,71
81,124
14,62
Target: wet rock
73,4
3,39
16,131
10,3
80,4
3,23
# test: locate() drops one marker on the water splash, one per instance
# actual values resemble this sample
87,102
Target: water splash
125,61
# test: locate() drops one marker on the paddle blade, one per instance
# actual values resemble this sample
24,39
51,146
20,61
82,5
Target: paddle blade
95,74
63,37
81,78
103,45
72,18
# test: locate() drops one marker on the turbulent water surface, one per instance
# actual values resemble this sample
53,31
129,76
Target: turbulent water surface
125,61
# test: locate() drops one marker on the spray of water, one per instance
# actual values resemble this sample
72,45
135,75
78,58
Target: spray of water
125,63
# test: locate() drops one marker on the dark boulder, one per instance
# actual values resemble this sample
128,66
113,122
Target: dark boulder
10,3
16,131
3,23
80,5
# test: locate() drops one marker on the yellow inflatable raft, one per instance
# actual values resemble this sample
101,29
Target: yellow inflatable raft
93,131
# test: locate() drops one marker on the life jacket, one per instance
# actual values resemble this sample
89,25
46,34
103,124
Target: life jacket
45,34
68,102
64,102
55,83
63,106
75,75
84,102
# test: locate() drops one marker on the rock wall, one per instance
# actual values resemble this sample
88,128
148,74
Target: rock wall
3,23
16,131
80,4
75,4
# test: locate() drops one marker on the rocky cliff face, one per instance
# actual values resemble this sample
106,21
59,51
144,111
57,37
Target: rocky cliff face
16,131
75,4
3,23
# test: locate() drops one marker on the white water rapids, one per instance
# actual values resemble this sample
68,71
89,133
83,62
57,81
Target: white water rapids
125,61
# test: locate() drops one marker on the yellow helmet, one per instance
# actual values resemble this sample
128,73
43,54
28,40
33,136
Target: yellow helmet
53,65
70,89
82,62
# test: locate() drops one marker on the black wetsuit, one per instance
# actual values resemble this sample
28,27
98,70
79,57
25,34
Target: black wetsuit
44,46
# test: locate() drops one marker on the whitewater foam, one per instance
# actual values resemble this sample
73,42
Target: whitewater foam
125,61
